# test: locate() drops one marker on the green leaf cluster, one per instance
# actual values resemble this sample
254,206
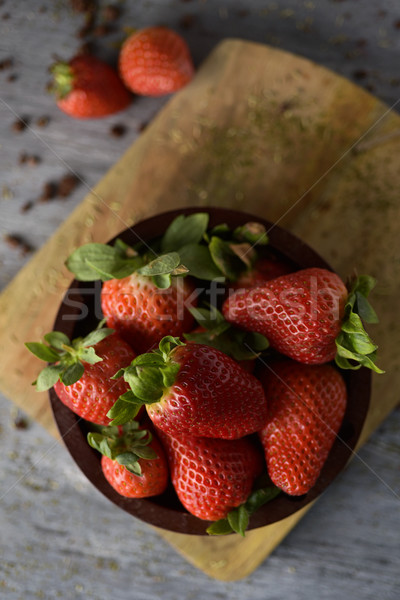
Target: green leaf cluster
126,447
187,247
100,261
238,519
148,376
68,357
239,344
355,349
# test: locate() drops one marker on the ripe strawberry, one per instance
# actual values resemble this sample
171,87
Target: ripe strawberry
193,389
211,476
133,461
306,408
155,61
87,87
143,313
263,270
82,372
300,313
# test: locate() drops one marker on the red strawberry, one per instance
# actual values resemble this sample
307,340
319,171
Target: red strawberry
87,87
263,270
133,461
155,61
211,476
300,313
306,408
82,374
143,313
193,389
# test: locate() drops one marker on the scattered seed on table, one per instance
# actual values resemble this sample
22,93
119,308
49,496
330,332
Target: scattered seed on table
19,125
118,130
111,12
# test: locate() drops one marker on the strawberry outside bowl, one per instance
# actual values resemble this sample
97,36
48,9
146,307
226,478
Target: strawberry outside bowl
80,312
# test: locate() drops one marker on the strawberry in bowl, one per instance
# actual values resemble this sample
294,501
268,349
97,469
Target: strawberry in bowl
200,401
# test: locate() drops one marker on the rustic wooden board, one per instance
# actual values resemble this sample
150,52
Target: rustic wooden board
258,129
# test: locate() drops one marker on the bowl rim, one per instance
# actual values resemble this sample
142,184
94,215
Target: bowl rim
73,429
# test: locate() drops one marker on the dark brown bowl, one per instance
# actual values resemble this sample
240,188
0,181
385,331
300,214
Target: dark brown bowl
165,511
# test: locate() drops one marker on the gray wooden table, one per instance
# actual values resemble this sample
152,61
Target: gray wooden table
59,537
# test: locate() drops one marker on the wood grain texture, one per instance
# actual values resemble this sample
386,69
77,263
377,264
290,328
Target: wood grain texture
258,129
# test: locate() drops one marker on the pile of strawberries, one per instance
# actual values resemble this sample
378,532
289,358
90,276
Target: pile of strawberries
152,62
214,367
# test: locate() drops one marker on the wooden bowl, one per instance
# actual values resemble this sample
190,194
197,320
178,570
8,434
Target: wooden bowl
165,511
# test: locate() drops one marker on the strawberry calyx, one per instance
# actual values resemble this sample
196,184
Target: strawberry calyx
237,520
218,333
355,349
187,247
63,79
94,261
234,251
67,357
149,376
127,447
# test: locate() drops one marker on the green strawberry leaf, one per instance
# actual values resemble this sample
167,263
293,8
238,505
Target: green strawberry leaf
146,383
167,345
261,496
126,447
199,262
72,374
130,461
57,340
96,261
96,336
238,519
68,356
42,351
184,230
256,341
145,452
222,231
162,265
210,318
150,359
169,373
354,347
148,376
220,334
124,409
89,355
365,309
101,443
163,282
220,527
253,233
364,284
345,354
229,262
48,377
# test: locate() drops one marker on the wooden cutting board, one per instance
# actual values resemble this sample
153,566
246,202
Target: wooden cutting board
276,135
